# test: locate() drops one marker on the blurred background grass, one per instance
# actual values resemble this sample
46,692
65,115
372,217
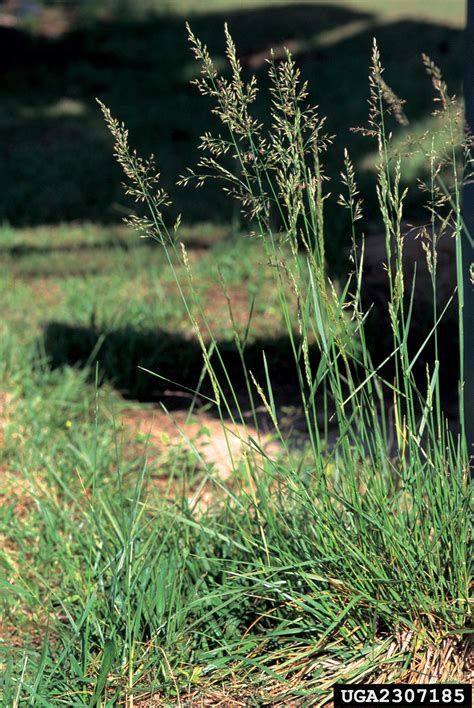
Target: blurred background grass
69,271
54,149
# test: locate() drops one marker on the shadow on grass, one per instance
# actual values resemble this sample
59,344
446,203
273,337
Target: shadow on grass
123,353
56,155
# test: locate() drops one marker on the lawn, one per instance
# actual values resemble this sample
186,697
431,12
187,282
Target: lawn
228,473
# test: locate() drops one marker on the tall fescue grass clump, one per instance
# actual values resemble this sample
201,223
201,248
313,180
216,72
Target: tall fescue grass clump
369,546
348,563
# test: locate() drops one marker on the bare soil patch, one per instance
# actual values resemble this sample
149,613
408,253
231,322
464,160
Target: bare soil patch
220,447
